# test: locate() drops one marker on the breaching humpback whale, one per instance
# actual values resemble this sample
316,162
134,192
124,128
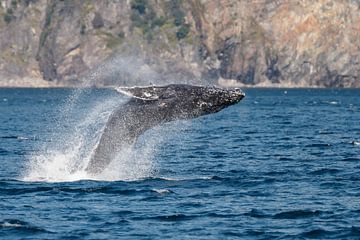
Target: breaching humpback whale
151,106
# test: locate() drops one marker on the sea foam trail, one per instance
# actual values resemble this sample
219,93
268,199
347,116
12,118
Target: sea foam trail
75,137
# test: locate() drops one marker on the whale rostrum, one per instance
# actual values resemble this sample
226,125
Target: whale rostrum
151,106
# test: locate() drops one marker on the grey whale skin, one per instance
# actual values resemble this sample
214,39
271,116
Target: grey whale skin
151,106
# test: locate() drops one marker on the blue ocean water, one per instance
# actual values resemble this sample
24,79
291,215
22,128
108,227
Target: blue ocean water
283,163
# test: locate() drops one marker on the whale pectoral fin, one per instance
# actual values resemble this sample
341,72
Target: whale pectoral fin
143,93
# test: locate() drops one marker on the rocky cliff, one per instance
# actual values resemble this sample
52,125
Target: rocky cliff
300,43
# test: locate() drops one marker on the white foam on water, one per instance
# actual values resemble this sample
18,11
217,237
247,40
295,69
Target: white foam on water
53,167
187,178
12,225
161,191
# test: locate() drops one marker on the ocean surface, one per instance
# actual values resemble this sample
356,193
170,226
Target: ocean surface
281,164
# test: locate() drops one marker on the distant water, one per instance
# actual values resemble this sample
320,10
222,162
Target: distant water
283,163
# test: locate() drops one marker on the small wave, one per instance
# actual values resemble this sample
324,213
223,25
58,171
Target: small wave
14,137
325,132
255,213
3,152
186,178
104,190
280,173
318,145
22,138
351,159
325,171
332,184
316,233
123,213
251,132
221,215
285,139
355,143
297,214
238,171
9,137
162,191
20,191
232,233
108,189
255,233
311,103
10,225
174,218
18,225
330,102
220,178
20,153
355,231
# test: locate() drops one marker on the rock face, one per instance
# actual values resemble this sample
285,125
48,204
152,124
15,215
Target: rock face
257,43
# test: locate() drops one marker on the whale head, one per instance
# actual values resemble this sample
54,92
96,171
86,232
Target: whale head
184,101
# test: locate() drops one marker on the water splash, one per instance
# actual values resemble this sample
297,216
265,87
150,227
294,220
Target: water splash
76,134
134,69
72,138
81,121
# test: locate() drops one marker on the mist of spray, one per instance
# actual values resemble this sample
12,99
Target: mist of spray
124,70
130,68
